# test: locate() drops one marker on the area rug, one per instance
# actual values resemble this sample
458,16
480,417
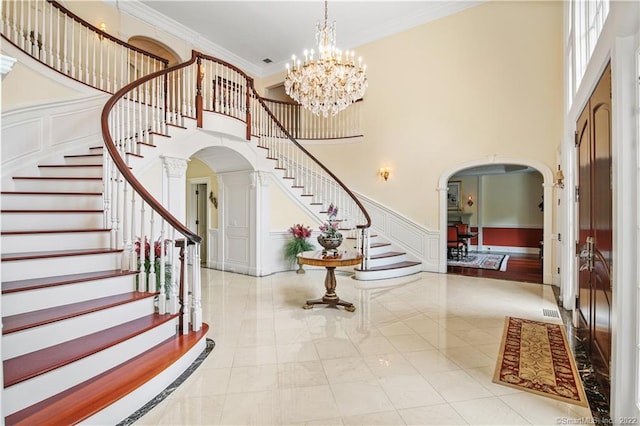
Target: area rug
481,261
534,357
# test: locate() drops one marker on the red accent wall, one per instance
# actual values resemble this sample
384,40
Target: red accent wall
512,237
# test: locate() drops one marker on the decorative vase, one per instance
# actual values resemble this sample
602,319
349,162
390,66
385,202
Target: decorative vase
330,243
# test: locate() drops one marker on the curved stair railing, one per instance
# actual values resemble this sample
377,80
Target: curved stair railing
224,88
130,118
302,124
150,98
55,36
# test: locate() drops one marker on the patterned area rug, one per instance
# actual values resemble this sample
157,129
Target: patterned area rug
534,357
482,261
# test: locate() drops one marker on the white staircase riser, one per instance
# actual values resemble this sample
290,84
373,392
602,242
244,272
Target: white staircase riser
48,297
92,171
383,261
92,160
33,339
27,393
121,409
52,202
387,273
380,250
54,266
37,221
29,243
58,185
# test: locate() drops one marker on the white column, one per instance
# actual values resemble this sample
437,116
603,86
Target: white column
6,64
175,195
175,173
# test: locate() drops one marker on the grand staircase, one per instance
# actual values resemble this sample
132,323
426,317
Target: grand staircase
83,340
76,337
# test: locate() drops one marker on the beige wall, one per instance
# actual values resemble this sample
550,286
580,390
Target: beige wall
23,87
511,200
486,81
284,213
123,26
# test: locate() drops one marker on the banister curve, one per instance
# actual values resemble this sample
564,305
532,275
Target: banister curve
329,172
122,166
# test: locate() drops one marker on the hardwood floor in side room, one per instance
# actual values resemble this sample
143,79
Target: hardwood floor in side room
520,267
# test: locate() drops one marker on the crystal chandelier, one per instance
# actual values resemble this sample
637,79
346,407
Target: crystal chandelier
330,82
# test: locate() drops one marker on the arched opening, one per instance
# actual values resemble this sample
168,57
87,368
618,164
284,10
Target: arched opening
534,177
157,48
496,211
218,198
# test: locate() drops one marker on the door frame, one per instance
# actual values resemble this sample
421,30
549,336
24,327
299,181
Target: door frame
192,183
548,213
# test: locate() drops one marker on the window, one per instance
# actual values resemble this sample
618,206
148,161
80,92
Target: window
586,19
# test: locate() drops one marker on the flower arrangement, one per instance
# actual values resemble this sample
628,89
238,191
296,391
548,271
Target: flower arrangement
330,228
299,242
158,249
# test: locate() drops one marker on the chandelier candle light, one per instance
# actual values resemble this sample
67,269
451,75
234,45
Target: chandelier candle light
332,81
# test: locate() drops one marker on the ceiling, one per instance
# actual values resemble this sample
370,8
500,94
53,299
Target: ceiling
247,32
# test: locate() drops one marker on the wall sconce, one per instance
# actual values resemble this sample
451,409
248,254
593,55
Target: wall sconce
558,180
102,27
384,172
469,200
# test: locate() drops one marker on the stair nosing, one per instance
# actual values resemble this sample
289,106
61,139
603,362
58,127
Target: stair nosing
392,266
55,231
17,286
65,353
93,395
10,257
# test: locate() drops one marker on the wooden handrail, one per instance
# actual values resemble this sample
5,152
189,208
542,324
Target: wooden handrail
104,34
322,166
122,166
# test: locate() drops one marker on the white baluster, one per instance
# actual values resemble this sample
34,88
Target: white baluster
152,255
186,305
196,309
162,297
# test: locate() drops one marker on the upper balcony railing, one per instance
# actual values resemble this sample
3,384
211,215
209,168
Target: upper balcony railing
56,37
149,97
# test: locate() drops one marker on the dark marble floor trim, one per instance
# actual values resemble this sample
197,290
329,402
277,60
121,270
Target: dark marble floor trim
597,402
173,386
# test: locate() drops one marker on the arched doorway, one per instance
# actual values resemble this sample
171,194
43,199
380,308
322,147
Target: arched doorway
497,210
493,161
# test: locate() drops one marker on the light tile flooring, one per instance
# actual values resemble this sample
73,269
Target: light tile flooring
419,350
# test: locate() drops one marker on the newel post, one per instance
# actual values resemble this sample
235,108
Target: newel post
199,92
248,104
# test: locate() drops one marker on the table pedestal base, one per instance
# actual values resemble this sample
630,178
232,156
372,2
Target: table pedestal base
330,297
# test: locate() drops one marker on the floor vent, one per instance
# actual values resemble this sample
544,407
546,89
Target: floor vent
551,313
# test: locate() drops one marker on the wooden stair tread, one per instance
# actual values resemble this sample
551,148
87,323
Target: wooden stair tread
18,322
57,178
398,265
37,283
33,364
376,245
83,194
55,231
83,155
387,254
70,165
51,211
6,257
87,398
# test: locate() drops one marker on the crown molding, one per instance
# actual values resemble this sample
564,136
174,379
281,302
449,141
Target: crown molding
142,12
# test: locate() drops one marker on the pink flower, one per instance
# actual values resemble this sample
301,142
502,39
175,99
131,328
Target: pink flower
300,231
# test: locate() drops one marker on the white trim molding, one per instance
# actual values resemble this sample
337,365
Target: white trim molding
547,176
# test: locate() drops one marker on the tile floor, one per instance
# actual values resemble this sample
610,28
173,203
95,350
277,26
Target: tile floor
419,350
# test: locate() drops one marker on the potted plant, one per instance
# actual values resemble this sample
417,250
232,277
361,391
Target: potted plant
298,244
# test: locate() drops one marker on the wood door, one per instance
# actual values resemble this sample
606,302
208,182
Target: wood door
595,227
